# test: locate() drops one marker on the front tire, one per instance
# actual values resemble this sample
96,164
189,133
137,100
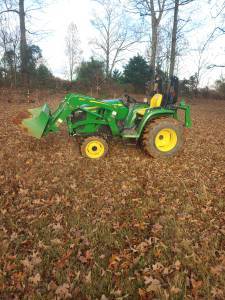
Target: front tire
94,147
163,137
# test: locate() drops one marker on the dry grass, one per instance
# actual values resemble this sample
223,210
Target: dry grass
126,227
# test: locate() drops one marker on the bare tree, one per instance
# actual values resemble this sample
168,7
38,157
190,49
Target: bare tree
9,42
18,7
23,41
176,4
154,9
218,14
116,34
4,41
174,38
73,51
202,61
163,48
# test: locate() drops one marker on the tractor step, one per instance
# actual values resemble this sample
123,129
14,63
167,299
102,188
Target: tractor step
129,133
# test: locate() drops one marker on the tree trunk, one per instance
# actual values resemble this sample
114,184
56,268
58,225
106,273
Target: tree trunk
154,46
4,61
15,67
108,52
71,66
174,39
23,44
107,65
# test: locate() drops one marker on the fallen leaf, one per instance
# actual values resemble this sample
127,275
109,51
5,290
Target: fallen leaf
61,263
196,284
62,291
157,228
56,242
217,293
158,267
217,270
142,247
35,259
148,280
87,278
177,265
175,290
86,257
143,294
154,286
113,262
35,279
27,264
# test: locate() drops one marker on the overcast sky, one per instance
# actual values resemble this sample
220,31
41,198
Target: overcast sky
56,17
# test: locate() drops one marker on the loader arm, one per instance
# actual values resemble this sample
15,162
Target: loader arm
91,107
41,121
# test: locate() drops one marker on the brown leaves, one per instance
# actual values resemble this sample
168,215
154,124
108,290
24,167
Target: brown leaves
18,280
217,293
61,263
35,279
174,290
196,285
87,278
156,228
62,291
85,257
140,226
158,267
154,285
177,265
56,242
217,270
114,261
30,263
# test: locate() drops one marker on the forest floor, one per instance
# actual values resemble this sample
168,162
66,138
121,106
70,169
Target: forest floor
124,227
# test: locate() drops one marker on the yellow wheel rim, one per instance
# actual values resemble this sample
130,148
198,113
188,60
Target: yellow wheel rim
95,149
166,140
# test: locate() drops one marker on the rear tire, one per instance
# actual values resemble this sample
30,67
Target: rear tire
163,137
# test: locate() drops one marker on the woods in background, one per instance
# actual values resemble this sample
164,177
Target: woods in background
120,26
22,63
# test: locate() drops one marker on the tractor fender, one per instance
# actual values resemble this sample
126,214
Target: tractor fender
153,114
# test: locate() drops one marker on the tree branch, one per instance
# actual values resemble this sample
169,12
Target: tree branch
8,11
215,66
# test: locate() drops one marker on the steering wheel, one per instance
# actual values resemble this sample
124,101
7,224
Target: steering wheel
130,99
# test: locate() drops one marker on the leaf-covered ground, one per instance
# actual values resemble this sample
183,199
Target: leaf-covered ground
125,227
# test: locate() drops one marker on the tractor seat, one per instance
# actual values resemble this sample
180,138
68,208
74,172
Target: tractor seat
155,101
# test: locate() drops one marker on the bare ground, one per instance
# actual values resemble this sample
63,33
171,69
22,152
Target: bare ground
125,227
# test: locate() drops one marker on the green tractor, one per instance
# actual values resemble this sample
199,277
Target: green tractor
157,127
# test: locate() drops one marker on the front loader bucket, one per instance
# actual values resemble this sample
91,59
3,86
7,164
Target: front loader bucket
34,121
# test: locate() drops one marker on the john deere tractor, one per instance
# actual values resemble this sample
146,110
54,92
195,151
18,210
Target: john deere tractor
155,125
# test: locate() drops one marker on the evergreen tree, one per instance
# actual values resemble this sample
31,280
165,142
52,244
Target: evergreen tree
43,74
137,72
33,55
117,76
91,73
